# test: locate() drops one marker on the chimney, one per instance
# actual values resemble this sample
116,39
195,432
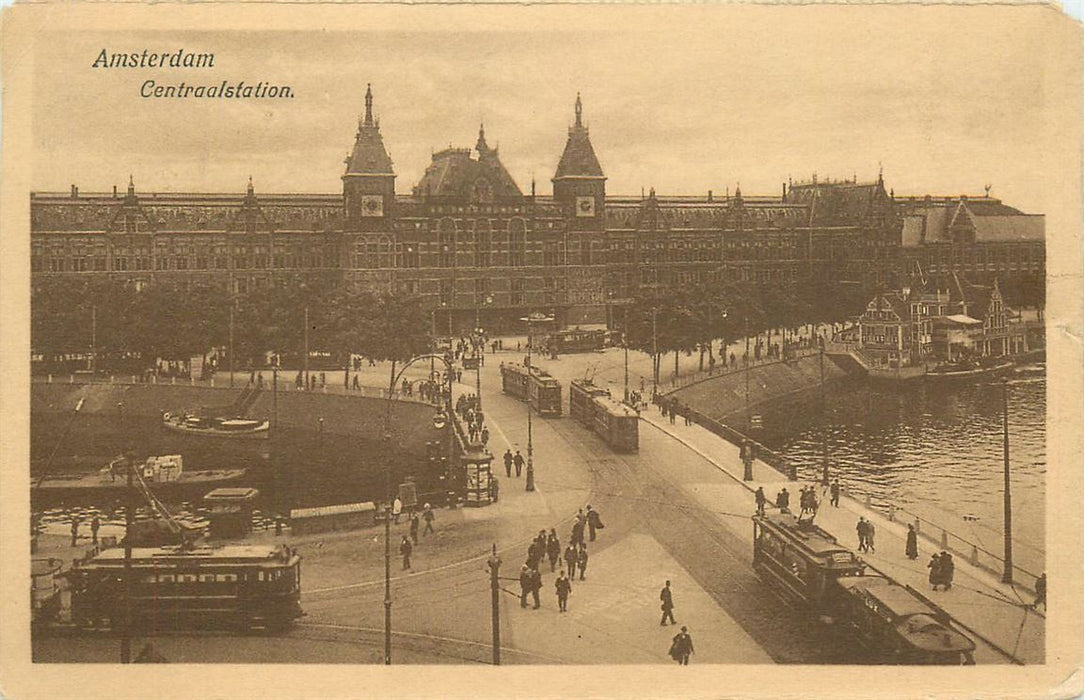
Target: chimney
75,191
710,199
114,191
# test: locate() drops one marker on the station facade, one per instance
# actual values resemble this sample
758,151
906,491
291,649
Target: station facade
480,252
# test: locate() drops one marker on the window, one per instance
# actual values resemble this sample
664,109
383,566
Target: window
518,236
410,256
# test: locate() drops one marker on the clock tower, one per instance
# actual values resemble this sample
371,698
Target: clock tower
369,181
579,185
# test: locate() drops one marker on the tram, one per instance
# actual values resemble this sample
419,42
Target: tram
248,587
578,340
541,391
616,423
811,569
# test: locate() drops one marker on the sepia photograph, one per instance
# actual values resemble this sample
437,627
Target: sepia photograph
545,337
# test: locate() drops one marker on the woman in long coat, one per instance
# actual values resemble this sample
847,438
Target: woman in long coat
911,549
935,570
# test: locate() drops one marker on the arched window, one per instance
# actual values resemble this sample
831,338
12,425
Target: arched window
517,238
483,234
446,242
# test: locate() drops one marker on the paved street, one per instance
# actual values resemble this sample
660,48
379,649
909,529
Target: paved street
675,510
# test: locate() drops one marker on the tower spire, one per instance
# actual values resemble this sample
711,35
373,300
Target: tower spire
482,147
579,111
368,104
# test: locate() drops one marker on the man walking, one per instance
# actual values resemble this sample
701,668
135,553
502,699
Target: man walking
861,528
406,549
667,599
428,516
761,499
553,549
414,520
508,462
95,524
911,548
571,557
75,530
835,493
564,588
682,647
582,560
536,586
577,530
593,522
518,461
525,583
782,500
869,537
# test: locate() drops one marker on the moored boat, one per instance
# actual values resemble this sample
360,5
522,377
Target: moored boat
164,475
216,427
967,371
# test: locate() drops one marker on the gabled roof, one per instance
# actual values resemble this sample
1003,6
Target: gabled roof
454,173
369,156
578,159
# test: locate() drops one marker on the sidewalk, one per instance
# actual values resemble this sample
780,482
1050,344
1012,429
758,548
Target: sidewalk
977,599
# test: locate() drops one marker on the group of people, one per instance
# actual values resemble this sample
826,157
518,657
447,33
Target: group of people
406,547
548,546
866,531
511,460
95,525
672,408
470,412
942,569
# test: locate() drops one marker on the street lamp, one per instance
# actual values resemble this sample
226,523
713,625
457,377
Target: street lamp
535,317
1006,576
443,415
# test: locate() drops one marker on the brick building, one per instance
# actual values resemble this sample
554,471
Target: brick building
478,250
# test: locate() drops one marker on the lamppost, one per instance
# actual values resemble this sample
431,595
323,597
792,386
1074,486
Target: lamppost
625,346
1006,576
479,351
535,317
654,354
824,428
442,418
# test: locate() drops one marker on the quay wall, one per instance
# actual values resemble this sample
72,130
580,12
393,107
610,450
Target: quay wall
342,414
722,397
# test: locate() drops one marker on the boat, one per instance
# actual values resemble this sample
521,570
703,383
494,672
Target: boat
164,475
216,427
967,371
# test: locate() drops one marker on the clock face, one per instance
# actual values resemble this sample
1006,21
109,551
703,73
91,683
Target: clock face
372,205
585,206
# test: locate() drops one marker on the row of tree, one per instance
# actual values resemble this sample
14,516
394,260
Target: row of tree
174,320
692,319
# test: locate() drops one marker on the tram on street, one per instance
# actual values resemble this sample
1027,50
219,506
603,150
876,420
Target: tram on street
575,340
541,391
247,587
616,423
811,569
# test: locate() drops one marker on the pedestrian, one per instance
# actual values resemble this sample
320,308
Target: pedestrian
582,560
682,647
571,557
406,549
494,488
485,436
525,583
536,586
594,522
533,555
553,549
948,569
761,499
782,500
911,548
577,532
870,530
428,516
355,382
935,570
1040,592
75,530
508,463
414,521
564,588
518,461
835,493
95,524
397,509
861,528
667,598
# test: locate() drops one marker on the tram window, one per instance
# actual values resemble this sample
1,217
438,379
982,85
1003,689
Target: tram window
229,577
207,578
795,565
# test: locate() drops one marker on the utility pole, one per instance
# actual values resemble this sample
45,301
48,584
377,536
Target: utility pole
126,640
305,364
654,355
824,428
91,361
530,443
495,588
625,343
748,417
231,344
1007,576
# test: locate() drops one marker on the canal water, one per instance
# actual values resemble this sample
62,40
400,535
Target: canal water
934,450
308,469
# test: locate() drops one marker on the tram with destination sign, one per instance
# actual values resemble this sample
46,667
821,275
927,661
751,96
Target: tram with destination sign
541,391
811,569
247,587
615,422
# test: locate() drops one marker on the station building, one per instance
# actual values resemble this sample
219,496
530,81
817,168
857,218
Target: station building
480,252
